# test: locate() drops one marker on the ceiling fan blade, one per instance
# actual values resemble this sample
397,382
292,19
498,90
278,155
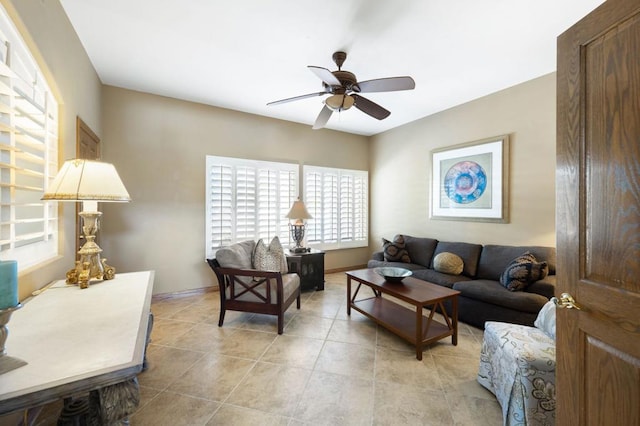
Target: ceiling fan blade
297,98
390,84
370,107
325,75
323,117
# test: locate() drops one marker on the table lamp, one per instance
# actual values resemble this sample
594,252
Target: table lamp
88,181
297,215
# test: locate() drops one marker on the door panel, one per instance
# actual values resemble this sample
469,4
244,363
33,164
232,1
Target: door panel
598,217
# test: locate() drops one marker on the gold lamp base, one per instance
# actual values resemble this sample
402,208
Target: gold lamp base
90,266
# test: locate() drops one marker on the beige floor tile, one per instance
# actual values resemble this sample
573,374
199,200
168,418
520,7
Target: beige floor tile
165,308
204,337
333,399
387,339
309,326
295,351
403,368
409,405
166,365
269,323
173,409
146,395
230,415
470,411
467,347
459,375
166,331
246,344
273,388
198,313
358,332
320,307
347,359
212,377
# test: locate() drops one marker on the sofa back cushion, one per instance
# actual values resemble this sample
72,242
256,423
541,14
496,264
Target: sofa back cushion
420,249
469,253
495,259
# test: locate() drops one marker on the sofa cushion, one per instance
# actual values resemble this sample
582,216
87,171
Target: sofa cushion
493,292
448,263
435,277
420,249
495,258
270,258
381,264
236,256
522,271
395,251
469,253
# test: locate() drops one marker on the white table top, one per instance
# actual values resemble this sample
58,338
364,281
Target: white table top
75,340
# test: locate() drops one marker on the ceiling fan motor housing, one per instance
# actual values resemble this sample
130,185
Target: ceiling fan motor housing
347,80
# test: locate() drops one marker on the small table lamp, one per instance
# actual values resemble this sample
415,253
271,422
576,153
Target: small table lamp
88,181
297,214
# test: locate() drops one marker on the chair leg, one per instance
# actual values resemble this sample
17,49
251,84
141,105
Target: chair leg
280,322
298,301
221,320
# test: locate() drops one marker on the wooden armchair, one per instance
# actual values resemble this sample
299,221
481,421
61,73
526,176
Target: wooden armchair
251,290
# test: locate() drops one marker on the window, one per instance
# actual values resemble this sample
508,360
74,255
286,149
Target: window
28,153
247,200
338,200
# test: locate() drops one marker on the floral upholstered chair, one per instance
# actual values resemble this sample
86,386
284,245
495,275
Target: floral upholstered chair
518,364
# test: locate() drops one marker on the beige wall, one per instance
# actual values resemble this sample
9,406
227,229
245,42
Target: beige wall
159,145
45,27
400,168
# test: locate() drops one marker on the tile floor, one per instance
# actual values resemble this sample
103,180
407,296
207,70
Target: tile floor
326,369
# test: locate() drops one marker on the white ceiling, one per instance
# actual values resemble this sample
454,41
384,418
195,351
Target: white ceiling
242,54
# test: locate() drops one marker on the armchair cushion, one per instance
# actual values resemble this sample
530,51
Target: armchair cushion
236,256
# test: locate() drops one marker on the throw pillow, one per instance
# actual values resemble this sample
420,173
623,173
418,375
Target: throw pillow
448,263
270,258
395,251
546,320
522,271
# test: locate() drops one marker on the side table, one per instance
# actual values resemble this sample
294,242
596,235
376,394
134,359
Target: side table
309,266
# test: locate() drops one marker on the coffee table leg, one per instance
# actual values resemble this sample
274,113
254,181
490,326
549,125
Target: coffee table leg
348,295
454,320
419,333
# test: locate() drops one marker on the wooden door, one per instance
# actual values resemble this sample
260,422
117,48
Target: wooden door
87,147
598,217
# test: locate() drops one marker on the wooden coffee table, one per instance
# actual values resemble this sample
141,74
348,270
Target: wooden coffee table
411,325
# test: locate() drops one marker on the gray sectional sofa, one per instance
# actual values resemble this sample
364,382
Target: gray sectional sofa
482,297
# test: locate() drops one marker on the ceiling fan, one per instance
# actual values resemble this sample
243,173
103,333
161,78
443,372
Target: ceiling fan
344,89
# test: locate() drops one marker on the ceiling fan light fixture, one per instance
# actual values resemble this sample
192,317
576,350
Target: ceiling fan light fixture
339,102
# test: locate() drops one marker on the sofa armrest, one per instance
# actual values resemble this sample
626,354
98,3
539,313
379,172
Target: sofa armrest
378,255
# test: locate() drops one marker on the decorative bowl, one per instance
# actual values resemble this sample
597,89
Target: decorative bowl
392,274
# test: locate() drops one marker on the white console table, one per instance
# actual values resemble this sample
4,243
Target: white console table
77,340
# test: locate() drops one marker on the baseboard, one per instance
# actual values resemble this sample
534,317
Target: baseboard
347,268
185,293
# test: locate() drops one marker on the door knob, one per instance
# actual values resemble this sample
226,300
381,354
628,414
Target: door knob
565,301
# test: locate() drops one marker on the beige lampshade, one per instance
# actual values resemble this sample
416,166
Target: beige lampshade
80,180
339,102
298,211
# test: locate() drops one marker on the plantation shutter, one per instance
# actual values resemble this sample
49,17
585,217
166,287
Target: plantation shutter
28,153
247,200
338,201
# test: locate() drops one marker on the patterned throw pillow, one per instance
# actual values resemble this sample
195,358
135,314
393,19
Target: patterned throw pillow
522,271
395,251
270,258
448,263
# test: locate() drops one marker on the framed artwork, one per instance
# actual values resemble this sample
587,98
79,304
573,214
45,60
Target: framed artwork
471,181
